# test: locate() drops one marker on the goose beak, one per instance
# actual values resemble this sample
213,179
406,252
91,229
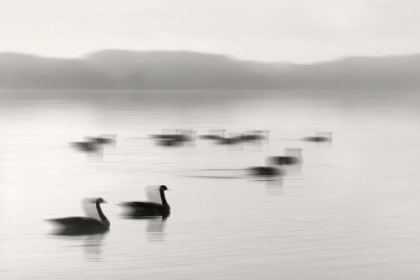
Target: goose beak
103,201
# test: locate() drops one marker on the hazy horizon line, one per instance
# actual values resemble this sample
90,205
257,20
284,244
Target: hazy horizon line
233,57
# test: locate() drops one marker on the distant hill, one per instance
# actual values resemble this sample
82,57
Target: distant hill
118,69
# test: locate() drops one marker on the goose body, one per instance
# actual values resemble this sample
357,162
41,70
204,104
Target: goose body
264,171
176,139
149,209
292,156
84,225
252,137
222,139
104,139
320,137
285,160
88,146
255,135
211,137
230,140
215,134
317,139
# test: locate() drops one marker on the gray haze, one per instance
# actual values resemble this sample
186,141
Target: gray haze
269,30
116,69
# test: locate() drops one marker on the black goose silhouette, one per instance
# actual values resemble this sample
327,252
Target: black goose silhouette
255,135
320,137
150,209
83,225
87,146
222,139
265,171
292,156
215,134
230,140
176,139
104,139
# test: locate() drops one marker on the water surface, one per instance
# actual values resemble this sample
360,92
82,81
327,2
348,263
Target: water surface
351,211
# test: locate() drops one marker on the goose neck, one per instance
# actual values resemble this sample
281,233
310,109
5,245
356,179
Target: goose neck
100,213
163,198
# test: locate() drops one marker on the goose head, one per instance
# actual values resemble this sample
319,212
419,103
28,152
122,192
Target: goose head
163,188
101,200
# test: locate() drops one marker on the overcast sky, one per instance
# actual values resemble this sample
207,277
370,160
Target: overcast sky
267,30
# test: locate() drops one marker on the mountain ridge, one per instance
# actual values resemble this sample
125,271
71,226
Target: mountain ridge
182,70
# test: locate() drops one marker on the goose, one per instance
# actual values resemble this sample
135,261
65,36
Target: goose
87,146
255,135
292,156
174,139
84,225
104,139
230,140
213,134
145,209
185,135
320,137
222,139
265,171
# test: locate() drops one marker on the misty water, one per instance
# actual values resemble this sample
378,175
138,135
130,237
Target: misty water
351,211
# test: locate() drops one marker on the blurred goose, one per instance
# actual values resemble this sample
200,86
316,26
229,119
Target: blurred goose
255,135
233,140
149,208
177,139
104,139
320,137
292,156
222,139
84,225
265,171
215,134
230,140
87,146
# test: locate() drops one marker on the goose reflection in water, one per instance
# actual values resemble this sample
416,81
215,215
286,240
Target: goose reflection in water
274,187
98,224
93,246
90,244
156,228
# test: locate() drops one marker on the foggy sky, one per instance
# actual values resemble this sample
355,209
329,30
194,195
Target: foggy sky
295,31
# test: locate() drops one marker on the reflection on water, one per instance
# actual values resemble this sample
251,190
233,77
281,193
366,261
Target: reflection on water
156,229
274,187
93,246
155,226
348,211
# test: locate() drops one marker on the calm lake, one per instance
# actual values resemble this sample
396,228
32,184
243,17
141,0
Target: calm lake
351,211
